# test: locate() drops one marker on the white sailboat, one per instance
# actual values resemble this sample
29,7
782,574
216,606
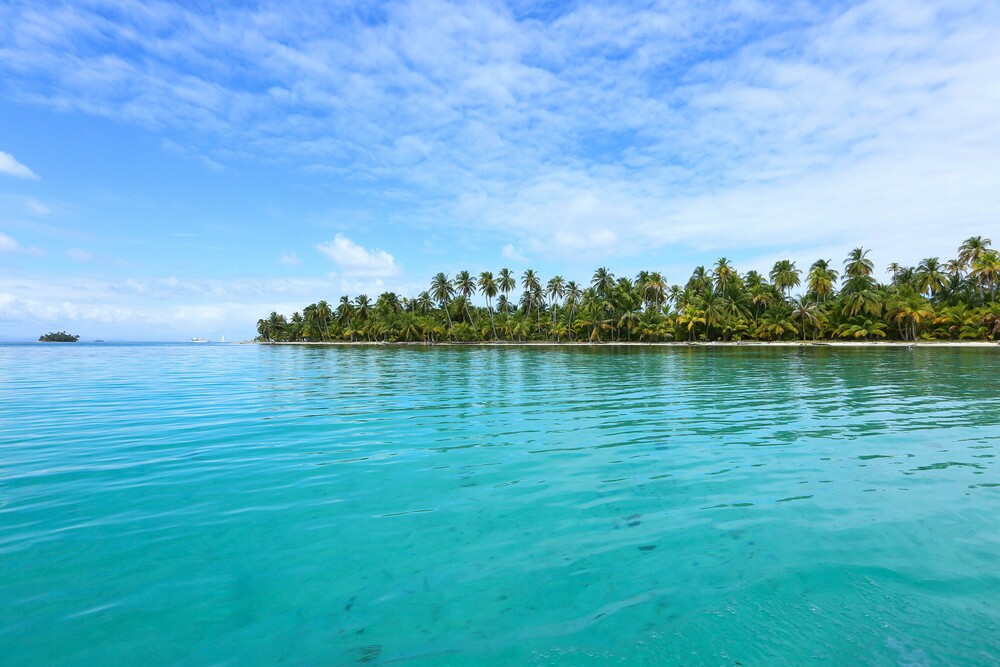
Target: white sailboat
223,339
202,339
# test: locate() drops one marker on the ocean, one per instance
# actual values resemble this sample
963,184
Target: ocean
265,505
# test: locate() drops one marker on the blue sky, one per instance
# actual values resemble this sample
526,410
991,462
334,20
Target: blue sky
173,168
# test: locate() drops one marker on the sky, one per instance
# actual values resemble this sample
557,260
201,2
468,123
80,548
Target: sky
171,170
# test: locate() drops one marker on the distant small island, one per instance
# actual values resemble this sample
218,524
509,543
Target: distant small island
58,337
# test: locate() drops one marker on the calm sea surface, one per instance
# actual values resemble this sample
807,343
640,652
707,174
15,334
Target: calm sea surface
250,505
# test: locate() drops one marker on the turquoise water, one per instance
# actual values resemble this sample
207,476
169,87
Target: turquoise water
251,505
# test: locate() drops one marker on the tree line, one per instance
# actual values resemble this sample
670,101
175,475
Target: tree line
934,300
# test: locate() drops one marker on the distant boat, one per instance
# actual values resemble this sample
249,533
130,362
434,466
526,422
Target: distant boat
223,339
199,340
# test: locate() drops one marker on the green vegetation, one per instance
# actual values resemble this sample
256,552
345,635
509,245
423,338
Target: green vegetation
58,337
955,300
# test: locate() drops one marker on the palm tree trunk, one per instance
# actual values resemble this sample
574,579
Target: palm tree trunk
493,325
448,315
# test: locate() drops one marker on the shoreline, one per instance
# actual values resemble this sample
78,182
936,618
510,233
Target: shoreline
582,344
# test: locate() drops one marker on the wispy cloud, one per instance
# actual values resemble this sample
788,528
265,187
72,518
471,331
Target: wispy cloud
11,167
10,245
289,259
159,309
174,148
354,261
513,254
7,244
593,129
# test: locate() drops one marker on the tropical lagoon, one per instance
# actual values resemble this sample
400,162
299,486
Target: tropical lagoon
242,505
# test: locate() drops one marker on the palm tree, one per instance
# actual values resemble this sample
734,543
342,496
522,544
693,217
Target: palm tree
274,327
410,329
530,282
805,311
723,271
345,311
972,249
642,283
761,296
388,303
689,317
321,316
488,288
776,324
591,309
986,269
362,310
465,284
821,279
699,280
861,329
674,294
573,294
532,285
656,287
506,282
785,276
424,302
298,326
503,305
603,282
556,289
519,326
713,308
559,331
861,301
443,290
930,278
857,264
753,279
894,268
909,310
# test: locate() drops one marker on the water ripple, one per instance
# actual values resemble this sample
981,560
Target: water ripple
256,505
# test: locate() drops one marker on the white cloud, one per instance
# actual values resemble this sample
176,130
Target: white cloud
174,308
354,261
513,254
11,167
35,207
174,148
7,244
598,129
79,254
289,259
10,245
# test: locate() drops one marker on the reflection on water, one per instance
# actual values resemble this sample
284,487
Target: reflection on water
251,505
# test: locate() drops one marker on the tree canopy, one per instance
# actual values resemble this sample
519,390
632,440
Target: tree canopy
58,337
934,300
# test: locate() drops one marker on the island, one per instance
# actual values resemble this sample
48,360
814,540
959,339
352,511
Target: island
935,301
58,337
